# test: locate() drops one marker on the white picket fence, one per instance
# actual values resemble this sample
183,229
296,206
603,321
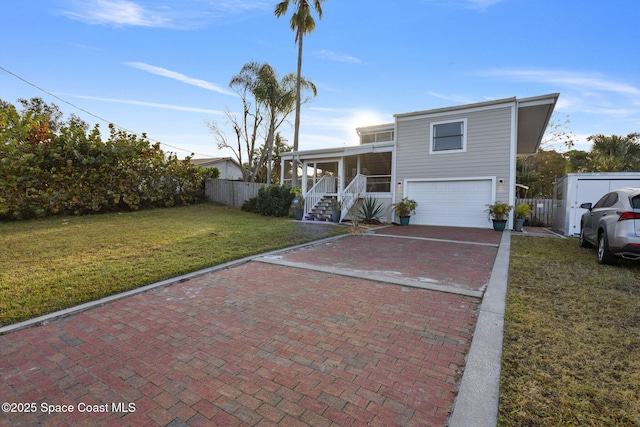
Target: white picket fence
541,211
231,193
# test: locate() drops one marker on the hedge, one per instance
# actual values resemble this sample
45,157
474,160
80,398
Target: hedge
49,168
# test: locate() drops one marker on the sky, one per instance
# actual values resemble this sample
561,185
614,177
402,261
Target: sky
162,67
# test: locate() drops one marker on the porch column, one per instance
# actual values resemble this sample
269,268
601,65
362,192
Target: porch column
282,163
341,175
304,178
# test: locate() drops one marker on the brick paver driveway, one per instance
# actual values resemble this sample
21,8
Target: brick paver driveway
256,344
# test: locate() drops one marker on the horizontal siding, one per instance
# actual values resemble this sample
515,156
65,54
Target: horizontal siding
488,149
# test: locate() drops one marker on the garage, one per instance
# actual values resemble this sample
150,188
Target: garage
574,189
455,202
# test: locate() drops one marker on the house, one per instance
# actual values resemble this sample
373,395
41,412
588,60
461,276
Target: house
453,161
228,167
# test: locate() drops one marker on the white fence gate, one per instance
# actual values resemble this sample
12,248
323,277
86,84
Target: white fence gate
231,193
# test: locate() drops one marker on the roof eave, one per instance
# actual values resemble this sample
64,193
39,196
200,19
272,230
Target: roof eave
456,108
533,118
341,151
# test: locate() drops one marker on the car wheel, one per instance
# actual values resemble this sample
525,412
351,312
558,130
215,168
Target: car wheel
604,255
582,241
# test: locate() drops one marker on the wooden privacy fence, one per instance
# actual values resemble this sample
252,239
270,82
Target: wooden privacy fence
231,193
541,211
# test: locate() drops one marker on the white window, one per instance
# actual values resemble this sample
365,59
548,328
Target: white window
376,137
448,137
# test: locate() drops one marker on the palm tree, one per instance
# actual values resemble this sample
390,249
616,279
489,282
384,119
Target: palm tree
302,23
277,97
274,99
616,153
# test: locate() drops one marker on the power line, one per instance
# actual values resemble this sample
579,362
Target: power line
96,116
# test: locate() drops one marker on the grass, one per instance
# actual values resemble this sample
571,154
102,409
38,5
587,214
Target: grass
55,263
571,353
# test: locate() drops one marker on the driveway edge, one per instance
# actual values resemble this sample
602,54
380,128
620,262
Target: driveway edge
46,318
478,395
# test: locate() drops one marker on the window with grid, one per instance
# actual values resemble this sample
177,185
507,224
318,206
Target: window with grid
448,136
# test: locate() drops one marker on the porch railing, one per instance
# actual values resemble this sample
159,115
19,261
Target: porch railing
354,191
326,184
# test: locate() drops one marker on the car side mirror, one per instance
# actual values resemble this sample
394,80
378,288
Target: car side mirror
586,206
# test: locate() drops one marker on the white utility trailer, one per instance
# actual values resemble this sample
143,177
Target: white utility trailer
573,189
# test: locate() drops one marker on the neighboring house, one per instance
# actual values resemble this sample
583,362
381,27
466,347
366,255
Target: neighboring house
453,161
228,167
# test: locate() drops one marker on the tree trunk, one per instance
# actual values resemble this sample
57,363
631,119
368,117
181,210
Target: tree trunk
269,147
296,128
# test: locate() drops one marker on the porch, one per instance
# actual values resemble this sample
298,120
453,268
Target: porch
342,175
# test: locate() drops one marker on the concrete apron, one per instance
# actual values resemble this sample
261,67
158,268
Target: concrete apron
452,266
429,284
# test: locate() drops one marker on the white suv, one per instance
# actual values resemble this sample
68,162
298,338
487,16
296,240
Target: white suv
613,225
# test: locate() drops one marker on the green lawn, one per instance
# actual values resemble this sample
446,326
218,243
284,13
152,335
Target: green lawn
55,263
572,338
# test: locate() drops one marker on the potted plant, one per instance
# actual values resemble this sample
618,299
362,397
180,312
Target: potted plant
522,211
298,204
404,208
499,211
336,210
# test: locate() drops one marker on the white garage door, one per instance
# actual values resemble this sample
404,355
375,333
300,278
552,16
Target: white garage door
459,203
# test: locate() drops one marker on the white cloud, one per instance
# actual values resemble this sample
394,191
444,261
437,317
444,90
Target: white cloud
179,77
117,13
581,92
152,104
458,99
481,5
576,80
595,102
337,57
240,6
161,14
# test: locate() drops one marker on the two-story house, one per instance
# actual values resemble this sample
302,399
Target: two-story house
453,161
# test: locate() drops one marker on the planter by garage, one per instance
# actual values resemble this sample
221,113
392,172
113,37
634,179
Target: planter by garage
335,216
518,224
499,224
404,208
499,212
522,211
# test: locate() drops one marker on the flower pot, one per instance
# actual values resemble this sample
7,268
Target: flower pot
335,216
299,214
404,220
518,223
499,224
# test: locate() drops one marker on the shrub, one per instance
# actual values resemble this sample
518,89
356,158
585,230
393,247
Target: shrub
48,167
274,200
250,205
370,211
